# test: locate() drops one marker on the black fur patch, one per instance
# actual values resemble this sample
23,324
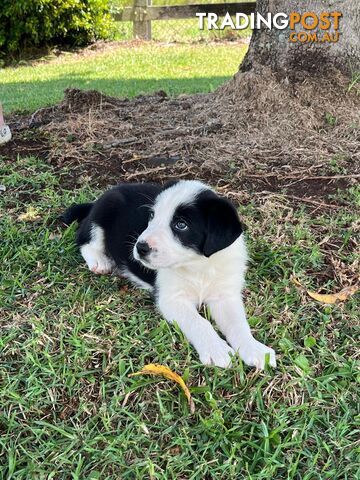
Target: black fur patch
123,213
76,212
213,223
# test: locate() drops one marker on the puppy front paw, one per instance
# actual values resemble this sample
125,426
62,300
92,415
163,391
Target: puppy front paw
216,352
253,354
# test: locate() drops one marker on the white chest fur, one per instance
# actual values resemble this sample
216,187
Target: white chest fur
207,279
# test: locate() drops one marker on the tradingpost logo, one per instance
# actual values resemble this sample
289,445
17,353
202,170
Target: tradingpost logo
300,25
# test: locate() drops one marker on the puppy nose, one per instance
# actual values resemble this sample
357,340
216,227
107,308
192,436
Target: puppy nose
143,248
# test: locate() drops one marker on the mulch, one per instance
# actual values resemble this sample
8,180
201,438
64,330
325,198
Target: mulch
256,139
255,136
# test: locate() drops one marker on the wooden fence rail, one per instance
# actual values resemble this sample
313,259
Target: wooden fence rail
142,13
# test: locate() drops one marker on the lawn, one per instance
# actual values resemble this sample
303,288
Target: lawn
70,339
121,70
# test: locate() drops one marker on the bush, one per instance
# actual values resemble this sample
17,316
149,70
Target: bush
37,23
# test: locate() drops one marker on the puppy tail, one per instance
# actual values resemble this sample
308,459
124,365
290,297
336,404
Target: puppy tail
76,212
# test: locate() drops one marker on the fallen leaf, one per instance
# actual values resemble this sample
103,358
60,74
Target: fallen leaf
330,299
175,450
54,236
341,296
123,289
155,369
30,215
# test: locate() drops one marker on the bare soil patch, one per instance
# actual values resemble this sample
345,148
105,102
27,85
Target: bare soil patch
254,136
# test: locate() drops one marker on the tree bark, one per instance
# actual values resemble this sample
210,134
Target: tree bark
272,48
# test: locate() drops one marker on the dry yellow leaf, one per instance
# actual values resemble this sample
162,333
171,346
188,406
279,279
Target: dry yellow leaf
30,215
341,296
155,369
330,299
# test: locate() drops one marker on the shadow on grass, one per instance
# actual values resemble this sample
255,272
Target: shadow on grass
31,95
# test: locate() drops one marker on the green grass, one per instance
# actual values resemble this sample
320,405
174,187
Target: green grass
184,31
69,339
121,71
180,30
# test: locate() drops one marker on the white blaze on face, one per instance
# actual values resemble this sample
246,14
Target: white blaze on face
166,249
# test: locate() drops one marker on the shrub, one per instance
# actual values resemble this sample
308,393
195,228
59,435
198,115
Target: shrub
38,23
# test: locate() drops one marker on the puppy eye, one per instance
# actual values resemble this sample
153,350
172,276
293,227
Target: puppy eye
151,215
181,225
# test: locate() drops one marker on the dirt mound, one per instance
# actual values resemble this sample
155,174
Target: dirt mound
79,100
255,134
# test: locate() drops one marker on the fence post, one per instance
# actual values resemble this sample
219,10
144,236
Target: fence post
142,27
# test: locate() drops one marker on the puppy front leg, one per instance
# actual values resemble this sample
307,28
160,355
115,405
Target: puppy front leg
211,348
230,316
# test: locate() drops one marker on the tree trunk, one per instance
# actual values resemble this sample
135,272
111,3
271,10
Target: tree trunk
294,60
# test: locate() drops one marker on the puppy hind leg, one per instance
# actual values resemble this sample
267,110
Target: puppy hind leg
96,260
94,255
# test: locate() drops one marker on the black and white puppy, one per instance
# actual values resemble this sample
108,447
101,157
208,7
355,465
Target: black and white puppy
185,244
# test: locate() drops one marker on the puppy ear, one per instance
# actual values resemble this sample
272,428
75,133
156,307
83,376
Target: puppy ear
223,225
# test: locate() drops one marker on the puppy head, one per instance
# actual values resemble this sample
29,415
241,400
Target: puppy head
188,221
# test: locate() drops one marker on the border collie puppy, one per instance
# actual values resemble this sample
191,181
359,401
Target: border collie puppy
185,244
